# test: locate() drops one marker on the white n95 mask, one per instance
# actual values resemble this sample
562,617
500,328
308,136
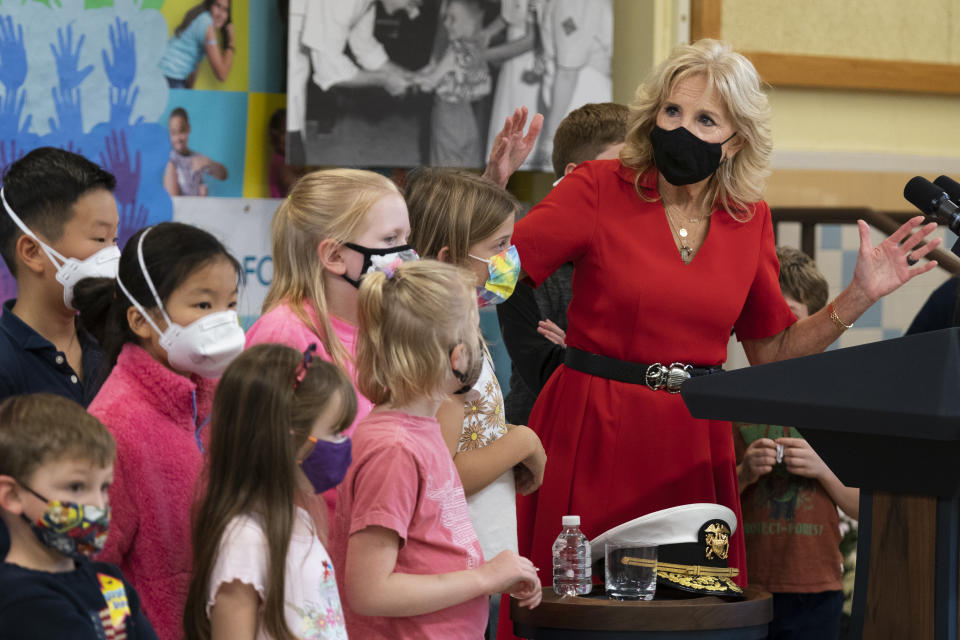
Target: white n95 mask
204,347
70,271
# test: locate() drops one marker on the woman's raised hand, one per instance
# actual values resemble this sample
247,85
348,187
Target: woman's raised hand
511,147
884,268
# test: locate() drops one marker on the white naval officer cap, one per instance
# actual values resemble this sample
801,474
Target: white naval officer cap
693,542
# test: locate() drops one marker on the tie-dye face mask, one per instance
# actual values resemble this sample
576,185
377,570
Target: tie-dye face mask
504,273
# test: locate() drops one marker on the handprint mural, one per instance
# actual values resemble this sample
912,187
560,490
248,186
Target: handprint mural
103,102
85,76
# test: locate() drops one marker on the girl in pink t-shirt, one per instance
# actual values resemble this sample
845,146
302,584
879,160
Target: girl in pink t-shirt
334,227
260,568
408,561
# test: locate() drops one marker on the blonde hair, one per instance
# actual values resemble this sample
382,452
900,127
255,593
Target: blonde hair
740,179
454,209
408,325
321,205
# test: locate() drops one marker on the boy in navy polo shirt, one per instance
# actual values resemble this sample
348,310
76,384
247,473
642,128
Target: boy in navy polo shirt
56,466
58,224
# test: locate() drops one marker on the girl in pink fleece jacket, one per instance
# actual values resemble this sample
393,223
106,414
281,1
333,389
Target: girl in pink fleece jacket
174,329
334,227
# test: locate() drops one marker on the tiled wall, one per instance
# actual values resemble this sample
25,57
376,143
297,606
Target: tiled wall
836,255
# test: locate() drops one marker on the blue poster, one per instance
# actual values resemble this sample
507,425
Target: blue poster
82,75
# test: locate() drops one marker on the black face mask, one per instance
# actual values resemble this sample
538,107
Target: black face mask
380,259
683,158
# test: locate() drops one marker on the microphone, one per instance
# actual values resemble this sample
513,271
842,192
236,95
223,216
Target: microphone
933,201
950,186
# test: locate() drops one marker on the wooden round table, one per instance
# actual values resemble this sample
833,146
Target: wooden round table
595,616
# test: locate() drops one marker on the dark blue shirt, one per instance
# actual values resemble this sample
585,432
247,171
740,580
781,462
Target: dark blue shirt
39,604
29,363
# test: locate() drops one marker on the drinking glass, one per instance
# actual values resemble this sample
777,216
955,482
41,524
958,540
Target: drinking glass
631,571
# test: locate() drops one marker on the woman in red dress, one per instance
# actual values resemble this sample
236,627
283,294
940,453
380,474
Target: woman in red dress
672,249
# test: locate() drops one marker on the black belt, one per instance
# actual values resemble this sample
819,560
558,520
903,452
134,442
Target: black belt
656,376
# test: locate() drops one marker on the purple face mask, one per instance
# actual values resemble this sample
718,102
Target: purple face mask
327,464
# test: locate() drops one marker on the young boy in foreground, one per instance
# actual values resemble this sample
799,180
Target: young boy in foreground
56,465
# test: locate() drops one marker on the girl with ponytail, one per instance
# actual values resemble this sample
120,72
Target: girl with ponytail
407,558
169,328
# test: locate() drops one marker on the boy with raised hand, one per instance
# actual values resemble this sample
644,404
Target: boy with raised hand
56,465
533,321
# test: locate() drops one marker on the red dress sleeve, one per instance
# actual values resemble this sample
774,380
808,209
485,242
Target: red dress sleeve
765,313
561,227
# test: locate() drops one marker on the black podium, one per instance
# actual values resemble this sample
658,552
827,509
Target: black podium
885,417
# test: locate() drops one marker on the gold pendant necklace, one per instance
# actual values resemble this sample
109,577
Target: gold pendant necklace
683,230
686,253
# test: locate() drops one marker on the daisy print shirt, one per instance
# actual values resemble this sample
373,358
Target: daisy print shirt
493,508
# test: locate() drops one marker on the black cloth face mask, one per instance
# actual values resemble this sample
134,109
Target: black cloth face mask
380,259
683,158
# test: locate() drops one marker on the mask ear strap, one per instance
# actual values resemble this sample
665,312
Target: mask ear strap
149,280
48,250
133,301
730,138
139,308
32,491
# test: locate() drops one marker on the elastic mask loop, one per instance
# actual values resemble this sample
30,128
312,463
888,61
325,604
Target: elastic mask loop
148,279
48,250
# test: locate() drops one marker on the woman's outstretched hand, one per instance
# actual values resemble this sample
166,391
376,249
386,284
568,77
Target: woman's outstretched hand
883,269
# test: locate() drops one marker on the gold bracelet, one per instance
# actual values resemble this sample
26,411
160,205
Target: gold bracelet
843,326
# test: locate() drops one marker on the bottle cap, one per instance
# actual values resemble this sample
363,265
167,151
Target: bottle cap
571,521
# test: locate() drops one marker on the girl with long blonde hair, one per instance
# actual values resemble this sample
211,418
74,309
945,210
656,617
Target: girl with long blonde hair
334,227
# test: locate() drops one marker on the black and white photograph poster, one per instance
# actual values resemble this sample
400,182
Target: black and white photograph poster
403,83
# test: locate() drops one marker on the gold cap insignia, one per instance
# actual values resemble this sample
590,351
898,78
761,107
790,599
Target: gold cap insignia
718,541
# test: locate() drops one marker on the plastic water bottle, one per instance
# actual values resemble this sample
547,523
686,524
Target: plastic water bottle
571,560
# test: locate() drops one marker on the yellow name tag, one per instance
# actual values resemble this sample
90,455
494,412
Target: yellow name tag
116,598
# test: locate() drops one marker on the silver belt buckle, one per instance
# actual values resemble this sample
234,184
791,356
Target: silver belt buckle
670,378
677,374
656,376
